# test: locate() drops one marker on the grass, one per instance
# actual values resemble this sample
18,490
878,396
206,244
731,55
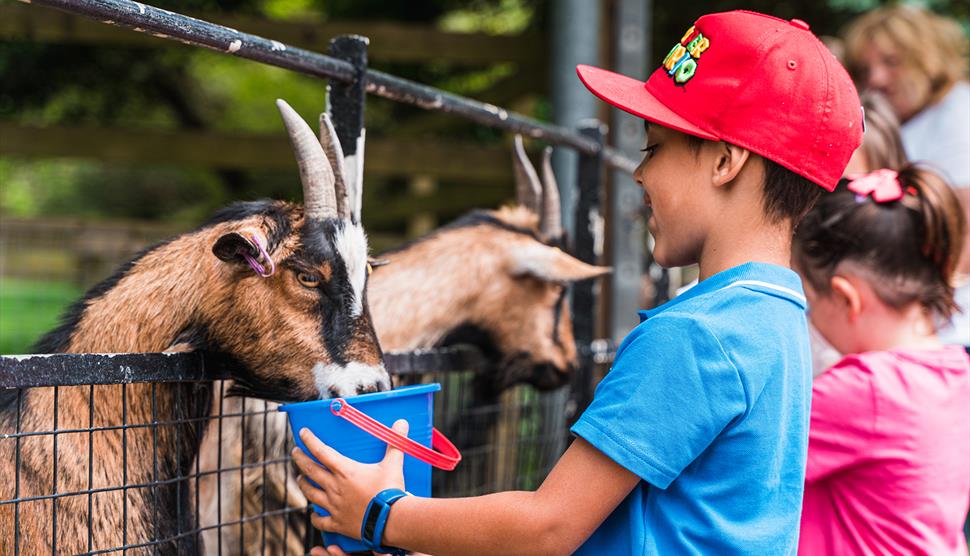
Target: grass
28,309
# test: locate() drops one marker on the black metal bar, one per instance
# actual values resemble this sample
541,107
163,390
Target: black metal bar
178,459
124,465
90,466
222,398
242,474
85,369
155,462
286,481
71,369
199,424
310,533
54,482
16,488
169,25
346,103
590,179
265,489
346,100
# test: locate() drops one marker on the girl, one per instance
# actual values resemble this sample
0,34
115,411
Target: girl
881,147
889,442
918,60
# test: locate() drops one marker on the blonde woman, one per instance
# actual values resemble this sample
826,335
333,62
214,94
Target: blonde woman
918,61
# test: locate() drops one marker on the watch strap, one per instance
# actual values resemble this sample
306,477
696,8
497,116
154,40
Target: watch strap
375,519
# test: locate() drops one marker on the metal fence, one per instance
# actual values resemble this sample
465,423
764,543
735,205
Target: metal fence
156,406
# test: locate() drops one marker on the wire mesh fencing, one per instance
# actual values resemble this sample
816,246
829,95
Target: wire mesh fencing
176,466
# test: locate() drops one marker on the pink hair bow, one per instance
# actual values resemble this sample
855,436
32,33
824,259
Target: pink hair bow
883,185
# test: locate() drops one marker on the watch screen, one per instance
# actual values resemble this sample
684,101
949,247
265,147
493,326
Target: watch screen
370,521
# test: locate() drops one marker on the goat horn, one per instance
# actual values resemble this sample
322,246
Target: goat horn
550,220
335,154
316,175
528,192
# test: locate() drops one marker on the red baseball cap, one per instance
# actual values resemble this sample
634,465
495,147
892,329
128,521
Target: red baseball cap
752,80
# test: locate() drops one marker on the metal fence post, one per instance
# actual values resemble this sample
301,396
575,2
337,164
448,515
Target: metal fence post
345,103
587,246
631,32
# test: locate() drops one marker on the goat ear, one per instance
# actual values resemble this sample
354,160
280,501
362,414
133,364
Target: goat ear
232,245
552,264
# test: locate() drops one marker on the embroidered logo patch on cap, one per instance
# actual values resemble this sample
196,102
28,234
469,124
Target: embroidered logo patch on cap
681,61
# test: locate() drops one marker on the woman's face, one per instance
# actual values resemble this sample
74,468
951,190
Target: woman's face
887,71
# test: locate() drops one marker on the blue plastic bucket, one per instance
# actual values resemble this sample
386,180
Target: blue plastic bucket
359,428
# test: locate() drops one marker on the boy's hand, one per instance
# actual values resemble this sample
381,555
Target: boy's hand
346,486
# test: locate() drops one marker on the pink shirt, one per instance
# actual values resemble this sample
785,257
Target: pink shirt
889,455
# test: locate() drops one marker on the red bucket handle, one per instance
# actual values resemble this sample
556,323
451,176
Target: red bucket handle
447,456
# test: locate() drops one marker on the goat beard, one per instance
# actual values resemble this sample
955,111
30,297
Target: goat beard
248,385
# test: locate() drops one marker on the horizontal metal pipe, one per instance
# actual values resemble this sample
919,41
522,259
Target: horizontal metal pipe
75,369
170,25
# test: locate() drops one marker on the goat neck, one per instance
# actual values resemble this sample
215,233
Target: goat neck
453,268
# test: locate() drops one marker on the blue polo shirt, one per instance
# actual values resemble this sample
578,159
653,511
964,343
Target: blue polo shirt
708,403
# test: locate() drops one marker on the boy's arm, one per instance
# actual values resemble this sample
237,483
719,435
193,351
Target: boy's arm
578,495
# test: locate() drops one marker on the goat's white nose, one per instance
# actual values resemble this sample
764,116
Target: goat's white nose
352,379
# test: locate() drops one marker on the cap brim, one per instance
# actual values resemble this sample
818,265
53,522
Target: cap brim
631,95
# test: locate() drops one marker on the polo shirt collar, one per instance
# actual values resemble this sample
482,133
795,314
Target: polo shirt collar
770,278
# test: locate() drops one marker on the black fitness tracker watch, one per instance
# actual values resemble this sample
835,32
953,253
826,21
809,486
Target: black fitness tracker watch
375,519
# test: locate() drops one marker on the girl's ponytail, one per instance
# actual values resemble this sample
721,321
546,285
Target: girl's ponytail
904,228
941,221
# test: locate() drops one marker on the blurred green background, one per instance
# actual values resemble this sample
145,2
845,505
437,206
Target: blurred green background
75,200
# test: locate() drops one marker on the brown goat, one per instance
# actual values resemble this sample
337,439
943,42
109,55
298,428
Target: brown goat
495,279
299,329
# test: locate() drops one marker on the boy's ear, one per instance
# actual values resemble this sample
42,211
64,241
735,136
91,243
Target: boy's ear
846,292
729,162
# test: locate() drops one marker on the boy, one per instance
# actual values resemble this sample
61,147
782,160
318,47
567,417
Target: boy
695,441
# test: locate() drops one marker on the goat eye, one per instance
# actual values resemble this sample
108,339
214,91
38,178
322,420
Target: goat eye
308,280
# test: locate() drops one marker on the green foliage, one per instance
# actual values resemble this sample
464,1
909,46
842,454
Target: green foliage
240,93
29,309
501,18
88,189
289,9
